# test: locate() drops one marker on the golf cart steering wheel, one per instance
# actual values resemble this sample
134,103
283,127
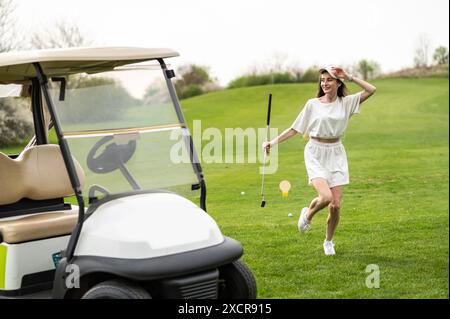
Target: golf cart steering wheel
113,156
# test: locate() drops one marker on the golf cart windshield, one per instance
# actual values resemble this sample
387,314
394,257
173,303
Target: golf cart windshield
124,130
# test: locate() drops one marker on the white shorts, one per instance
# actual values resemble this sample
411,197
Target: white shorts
327,160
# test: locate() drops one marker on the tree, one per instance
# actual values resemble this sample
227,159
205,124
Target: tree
16,122
195,80
367,69
440,55
422,51
64,35
194,74
311,74
7,26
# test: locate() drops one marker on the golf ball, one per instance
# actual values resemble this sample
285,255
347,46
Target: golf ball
242,193
290,215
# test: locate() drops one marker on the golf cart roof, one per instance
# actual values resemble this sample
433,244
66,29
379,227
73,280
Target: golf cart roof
17,67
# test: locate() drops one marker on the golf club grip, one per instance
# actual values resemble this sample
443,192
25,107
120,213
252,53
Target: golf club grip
268,109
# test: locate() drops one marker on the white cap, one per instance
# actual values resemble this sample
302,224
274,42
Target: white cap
329,70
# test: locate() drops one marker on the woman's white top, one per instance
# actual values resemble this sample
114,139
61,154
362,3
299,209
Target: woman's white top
327,120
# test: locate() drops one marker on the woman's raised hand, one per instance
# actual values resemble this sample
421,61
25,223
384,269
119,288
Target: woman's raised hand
266,147
339,72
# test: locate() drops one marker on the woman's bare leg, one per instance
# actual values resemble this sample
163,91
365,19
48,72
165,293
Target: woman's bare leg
334,209
323,199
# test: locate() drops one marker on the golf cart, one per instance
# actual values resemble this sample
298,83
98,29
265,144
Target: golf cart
108,212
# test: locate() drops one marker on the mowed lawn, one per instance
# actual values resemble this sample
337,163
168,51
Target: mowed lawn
395,212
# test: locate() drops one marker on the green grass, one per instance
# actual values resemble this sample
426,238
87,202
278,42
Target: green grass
395,212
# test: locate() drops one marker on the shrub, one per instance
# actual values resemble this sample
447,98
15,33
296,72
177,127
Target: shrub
195,80
440,55
16,121
367,69
262,79
311,75
190,91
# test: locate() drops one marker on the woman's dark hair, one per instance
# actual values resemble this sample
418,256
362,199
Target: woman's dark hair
341,92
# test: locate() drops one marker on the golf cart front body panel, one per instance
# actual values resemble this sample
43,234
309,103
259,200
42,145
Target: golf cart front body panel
147,226
204,285
152,269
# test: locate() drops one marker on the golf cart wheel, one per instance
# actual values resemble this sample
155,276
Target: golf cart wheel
239,282
116,289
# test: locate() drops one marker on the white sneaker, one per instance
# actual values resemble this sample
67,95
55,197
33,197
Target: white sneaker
303,223
328,247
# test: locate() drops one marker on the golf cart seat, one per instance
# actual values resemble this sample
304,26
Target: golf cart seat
38,226
38,173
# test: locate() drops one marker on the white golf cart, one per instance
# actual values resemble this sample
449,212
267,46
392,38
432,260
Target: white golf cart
126,157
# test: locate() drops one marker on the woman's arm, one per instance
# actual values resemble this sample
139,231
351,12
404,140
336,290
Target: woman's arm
287,133
368,88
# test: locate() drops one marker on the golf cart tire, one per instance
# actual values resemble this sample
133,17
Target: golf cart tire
116,289
239,282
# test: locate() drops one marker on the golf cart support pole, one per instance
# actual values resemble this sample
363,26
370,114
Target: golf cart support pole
188,139
38,113
67,161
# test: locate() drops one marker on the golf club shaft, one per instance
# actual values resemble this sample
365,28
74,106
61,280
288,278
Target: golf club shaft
265,152
263,172
268,113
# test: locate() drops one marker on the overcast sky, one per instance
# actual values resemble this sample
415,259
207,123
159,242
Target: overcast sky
232,36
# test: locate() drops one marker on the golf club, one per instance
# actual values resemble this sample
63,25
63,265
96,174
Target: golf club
263,201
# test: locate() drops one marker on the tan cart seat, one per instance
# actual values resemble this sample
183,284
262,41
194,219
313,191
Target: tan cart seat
38,173
38,226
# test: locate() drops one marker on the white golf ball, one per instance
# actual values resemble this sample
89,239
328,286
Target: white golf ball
242,193
290,215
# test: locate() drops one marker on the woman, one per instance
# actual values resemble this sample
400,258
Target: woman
324,120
